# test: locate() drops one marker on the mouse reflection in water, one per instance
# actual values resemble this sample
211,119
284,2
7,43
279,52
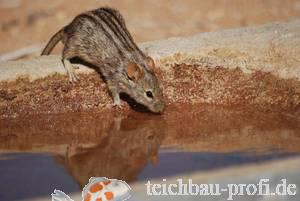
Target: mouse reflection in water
121,154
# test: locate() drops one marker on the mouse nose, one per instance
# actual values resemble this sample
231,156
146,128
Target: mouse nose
159,107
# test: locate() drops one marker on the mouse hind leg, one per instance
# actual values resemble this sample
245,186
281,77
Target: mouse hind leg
67,55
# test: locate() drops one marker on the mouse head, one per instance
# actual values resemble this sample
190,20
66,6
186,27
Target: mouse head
144,86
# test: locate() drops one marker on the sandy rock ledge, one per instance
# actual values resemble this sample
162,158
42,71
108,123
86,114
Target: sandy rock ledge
258,66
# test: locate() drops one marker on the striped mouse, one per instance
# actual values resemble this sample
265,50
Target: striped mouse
100,37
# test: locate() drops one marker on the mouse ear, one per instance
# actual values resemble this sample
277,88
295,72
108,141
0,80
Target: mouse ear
133,71
151,63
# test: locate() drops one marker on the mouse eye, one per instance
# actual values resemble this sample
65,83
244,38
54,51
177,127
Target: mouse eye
149,94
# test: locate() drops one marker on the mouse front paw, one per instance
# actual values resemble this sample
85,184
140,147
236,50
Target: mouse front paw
117,103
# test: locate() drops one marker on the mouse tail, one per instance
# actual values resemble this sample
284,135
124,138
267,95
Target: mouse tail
52,42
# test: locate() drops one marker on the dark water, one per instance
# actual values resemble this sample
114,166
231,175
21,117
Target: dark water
40,154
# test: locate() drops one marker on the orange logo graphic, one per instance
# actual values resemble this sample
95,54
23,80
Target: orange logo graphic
99,189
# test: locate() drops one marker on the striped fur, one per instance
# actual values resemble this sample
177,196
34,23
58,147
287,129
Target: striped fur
101,38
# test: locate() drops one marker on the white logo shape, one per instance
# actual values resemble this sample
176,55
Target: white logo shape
99,188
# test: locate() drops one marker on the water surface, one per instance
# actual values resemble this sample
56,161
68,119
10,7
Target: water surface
40,153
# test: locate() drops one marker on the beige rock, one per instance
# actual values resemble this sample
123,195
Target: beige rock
273,48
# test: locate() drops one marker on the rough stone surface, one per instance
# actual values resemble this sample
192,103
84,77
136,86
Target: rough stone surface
273,48
53,95
257,66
